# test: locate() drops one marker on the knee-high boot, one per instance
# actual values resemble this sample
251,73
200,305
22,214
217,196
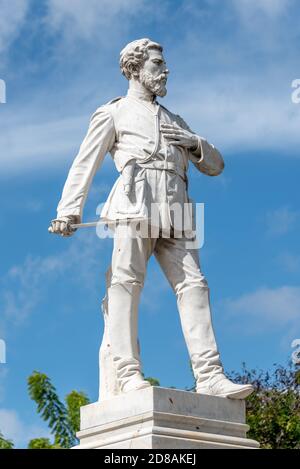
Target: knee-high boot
108,386
195,316
122,325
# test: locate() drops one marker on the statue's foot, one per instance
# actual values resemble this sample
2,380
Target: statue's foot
135,383
220,386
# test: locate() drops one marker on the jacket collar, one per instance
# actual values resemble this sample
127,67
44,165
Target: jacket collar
141,98
142,95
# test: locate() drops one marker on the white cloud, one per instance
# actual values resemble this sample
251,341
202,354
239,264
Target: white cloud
269,8
40,145
236,93
268,306
281,221
23,287
238,114
10,424
13,13
87,19
13,428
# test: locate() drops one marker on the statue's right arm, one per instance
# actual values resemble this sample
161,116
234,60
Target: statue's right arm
99,140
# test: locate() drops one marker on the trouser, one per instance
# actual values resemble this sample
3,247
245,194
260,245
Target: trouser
124,280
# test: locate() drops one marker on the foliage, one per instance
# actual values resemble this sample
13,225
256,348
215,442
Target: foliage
273,410
41,443
62,420
153,381
74,401
5,444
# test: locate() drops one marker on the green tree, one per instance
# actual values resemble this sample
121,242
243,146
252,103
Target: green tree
273,410
153,381
74,401
5,444
62,419
41,443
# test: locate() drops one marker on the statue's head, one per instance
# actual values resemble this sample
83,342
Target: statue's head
143,60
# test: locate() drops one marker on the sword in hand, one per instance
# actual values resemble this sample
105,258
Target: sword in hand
66,226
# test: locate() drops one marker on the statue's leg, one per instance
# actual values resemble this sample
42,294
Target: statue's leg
108,381
182,268
128,268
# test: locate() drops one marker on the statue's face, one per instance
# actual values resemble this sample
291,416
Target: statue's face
154,72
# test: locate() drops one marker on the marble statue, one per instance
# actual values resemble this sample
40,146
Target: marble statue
151,148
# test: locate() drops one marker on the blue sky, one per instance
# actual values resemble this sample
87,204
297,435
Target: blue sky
232,63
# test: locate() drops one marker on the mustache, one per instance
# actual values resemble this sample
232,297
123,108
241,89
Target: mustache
161,78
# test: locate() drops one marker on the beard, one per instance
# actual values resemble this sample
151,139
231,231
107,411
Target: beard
156,85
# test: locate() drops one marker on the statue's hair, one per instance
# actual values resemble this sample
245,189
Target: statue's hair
133,56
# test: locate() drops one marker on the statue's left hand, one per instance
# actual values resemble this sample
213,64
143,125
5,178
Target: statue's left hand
176,135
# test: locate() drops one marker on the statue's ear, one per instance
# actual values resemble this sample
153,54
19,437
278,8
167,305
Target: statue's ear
134,70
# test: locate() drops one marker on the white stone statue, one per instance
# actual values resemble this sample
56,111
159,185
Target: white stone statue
151,148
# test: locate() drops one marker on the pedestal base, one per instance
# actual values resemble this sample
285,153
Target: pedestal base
161,418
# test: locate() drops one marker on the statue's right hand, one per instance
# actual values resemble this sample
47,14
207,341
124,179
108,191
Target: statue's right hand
62,225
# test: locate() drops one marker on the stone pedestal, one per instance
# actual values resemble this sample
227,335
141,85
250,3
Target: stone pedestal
161,418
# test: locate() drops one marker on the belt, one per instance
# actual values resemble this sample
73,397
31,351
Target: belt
164,166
